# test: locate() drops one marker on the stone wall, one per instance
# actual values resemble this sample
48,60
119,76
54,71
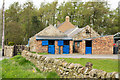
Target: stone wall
36,46
103,45
56,47
64,69
8,51
20,48
11,51
82,34
81,48
40,48
100,45
71,47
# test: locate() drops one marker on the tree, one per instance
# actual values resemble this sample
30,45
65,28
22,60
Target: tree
0,26
13,33
47,13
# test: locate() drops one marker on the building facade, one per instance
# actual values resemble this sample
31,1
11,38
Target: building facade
52,41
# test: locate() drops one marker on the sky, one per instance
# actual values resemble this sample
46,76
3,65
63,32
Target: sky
113,3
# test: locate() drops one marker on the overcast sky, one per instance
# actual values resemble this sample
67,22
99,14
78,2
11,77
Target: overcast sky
113,3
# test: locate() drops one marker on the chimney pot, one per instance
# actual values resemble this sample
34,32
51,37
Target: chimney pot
67,18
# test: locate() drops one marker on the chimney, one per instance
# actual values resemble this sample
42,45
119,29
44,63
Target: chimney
58,23
67,18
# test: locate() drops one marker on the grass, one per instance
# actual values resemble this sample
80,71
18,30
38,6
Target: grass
39,53
108,65
19,67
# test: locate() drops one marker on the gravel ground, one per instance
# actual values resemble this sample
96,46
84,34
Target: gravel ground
85,56
117,56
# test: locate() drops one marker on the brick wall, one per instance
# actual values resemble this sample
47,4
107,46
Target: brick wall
76,48
103,45
44,49
56,47
71,47
61,49
81,48
40,48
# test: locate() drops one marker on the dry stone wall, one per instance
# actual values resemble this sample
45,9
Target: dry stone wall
8,51
64,69
11,51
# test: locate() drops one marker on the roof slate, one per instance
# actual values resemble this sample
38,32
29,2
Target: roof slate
51,31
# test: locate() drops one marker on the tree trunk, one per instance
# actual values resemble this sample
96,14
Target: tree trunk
3,28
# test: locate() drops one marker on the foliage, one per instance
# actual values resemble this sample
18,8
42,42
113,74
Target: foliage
18,53
28,20
108,65
39,53
11,43
19,67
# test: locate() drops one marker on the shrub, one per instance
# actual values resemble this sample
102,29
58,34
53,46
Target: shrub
18,53
11,43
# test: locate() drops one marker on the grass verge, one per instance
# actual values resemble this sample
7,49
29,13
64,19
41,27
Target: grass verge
19,67
39,53
108,65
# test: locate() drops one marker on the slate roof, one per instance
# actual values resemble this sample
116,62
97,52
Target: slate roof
73,31
65,26
51,31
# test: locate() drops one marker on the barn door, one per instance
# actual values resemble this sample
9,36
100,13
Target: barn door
66,49
89,47
51,49
60,43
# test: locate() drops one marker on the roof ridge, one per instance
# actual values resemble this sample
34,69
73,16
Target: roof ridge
73,31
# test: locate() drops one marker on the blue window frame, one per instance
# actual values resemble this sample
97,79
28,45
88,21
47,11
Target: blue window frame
60,43
44,43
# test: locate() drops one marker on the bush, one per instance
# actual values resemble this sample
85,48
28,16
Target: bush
11,43
18,53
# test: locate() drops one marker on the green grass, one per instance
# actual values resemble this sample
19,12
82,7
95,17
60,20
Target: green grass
108,65
39,53
19,67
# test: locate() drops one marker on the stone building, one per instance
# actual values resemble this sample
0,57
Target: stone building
76,33
67,38
51,40
96,45
86,40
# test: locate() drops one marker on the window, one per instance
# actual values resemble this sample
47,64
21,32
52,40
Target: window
60,43
66,42
44,43
51,42
78,44
87,31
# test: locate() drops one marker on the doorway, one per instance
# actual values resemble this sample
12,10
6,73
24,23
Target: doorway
88,47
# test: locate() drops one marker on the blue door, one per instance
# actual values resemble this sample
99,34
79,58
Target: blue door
51,49
88,50
66,49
